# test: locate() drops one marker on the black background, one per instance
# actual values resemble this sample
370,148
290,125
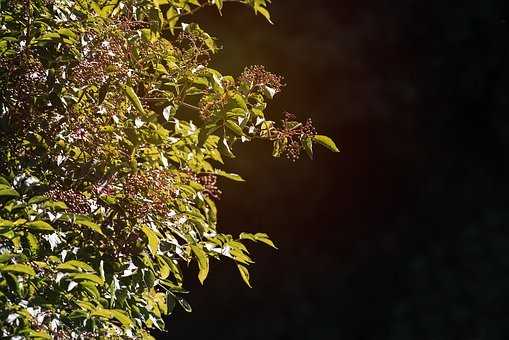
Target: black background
403,235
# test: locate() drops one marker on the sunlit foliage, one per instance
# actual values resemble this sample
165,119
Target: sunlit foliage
113,131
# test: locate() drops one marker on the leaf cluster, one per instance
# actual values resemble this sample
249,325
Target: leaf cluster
113,131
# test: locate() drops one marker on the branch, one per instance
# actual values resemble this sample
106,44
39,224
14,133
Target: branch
201,6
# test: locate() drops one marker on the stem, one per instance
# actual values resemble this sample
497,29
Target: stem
189,106
202,6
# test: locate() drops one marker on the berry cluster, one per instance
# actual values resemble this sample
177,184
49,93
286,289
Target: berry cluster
75,200
23,80
257,77
211,103
292,134
209,183
127,24
149,193
104,58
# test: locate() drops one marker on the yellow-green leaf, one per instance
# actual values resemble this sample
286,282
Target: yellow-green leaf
122,317
134,98
153,240
67,32
39,335
39,226
265,13
9,193
264,238
172,17
164,268
18,268
308,146
6,224
6,257
88,277
231,176
33,243
75,265
326,141
203,262
81,220
90,288
244,273
234,127
113,313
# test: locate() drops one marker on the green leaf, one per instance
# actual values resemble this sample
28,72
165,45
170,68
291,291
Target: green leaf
205,132
265,13
90,288
85,221
219,4
9,193
134,98
39,335
87,277
164,268
269,92
264,238
67,32
259,237
58,205
203,262
244,273
122,317
113,313
224,148
75,265
247,236
6,257
172,17
326,141
239,100
33,243
5,186
13,282
153,239
307,143
234,127
184,304
3,181
4,224
231,176
212,210
37,199
149,278
39,226
168,112
18,268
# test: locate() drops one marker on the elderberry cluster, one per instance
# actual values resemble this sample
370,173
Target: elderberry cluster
292,135
75,200
209,104
209,183
149,193
258,77
22,81
103,58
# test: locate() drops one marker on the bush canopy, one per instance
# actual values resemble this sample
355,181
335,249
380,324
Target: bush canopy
113,131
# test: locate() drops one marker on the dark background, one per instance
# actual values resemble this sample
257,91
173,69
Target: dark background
403,235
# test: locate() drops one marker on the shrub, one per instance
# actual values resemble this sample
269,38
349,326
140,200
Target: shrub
113,131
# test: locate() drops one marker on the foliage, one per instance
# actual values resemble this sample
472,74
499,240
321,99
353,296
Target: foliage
108,183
